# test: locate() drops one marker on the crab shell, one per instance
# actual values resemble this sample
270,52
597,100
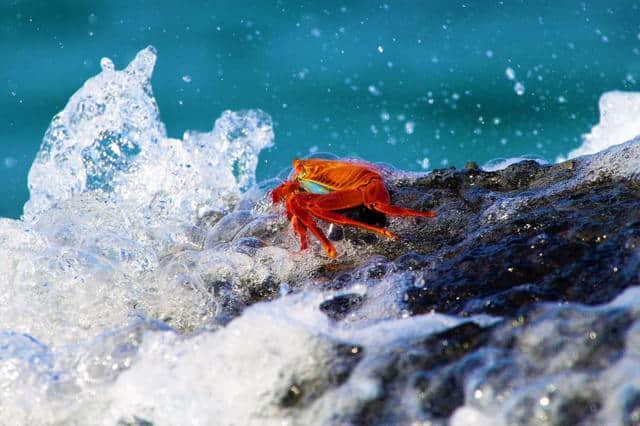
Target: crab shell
319,188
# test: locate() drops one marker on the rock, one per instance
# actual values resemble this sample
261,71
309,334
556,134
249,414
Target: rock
549,249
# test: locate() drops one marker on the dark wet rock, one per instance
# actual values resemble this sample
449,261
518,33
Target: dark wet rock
134,421
248,245
303,392
227,227
472,165
432,368
335,233
339,306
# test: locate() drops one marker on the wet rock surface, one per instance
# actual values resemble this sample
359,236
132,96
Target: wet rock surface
547,249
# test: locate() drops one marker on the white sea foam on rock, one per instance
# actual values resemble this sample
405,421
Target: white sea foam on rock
243,373
619,112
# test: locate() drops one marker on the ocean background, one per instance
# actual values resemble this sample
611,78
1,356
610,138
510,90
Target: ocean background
416,84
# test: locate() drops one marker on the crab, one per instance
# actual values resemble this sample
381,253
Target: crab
320,189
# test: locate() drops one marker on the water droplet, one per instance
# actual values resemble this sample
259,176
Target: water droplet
374,90
186,78
380,49
409,127
424,163
510,73
519,88
302,74
9,162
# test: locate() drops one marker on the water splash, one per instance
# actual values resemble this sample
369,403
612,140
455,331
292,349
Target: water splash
619,123
109,139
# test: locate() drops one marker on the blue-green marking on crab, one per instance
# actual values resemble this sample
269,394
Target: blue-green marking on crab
313,187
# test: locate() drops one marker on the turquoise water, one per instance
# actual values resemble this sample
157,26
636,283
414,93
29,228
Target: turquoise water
419,85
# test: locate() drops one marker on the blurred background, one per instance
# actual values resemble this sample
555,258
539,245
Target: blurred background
417,84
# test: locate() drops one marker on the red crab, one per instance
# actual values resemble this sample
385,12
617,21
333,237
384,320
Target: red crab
319,188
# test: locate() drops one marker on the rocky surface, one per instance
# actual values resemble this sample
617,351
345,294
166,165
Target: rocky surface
548,249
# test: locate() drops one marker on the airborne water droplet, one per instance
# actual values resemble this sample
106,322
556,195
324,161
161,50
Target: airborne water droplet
374,90
409,127
510,73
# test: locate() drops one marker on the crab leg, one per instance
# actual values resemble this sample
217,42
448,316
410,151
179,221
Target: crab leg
343,220
320,206
393,210
376,197
301,230
293,204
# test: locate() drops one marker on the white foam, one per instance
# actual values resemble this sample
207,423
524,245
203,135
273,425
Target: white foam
469,416
619,112
240,374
